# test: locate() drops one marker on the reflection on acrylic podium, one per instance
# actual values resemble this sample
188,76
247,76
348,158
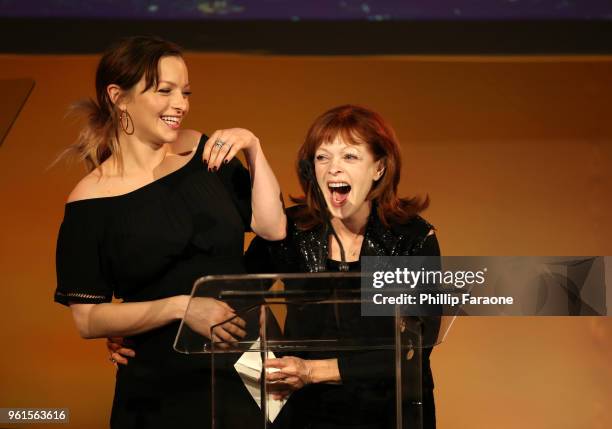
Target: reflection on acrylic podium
318,317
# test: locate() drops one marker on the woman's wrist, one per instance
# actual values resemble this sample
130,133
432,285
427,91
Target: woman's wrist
323,371
178,306
253,150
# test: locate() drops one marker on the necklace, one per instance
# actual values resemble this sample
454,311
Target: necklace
352,247
355,248
351,241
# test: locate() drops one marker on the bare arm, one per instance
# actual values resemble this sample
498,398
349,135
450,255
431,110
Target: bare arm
324,371
125,319
268,218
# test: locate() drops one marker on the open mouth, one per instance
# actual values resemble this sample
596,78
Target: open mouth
172,121
339,193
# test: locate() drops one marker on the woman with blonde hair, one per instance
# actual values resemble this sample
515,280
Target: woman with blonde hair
159,208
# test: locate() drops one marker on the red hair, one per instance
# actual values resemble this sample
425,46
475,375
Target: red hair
357,125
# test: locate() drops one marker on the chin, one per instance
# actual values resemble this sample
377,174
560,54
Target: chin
344,212
350,210
336,214
168,136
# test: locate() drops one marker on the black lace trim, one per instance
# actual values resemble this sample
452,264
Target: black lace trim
81,295
67,297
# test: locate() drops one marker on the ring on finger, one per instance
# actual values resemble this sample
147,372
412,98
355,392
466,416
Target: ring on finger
113,361
219,143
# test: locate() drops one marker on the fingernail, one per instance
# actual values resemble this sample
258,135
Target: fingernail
226,161
215,168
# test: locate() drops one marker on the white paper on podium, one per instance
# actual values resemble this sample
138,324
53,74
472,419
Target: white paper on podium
249,368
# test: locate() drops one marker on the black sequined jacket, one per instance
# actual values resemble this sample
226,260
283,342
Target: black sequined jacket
307,251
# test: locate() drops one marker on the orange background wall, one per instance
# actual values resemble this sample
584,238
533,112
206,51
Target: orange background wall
516,154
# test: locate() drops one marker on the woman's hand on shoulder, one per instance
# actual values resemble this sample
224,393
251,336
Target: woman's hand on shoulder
223,145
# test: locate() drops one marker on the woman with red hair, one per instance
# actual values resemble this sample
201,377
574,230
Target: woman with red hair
349,168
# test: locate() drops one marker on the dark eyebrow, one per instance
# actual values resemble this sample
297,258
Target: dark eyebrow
172,83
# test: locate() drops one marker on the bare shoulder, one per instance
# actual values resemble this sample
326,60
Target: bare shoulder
87,188
186,142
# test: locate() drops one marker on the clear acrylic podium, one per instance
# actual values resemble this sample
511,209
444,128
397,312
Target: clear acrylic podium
318,317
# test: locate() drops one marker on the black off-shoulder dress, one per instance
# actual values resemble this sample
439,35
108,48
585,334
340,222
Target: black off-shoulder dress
153,243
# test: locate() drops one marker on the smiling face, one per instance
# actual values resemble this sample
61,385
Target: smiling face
345,173
157,113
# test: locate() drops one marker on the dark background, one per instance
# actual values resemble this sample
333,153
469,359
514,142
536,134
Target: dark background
346,27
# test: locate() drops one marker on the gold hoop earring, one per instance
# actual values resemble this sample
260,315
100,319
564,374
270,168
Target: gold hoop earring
127,125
